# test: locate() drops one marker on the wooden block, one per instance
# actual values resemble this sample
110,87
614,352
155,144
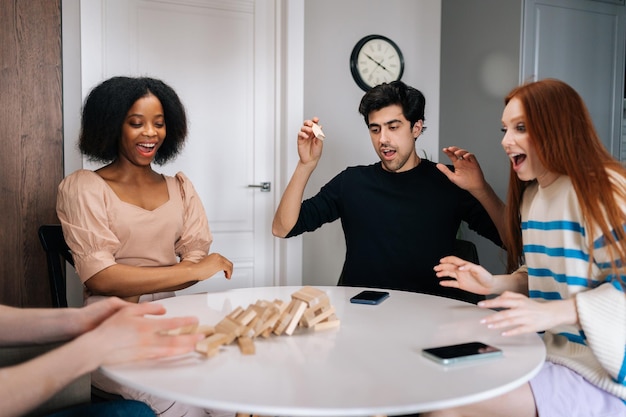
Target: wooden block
269,324
249,331
267,318
235,313
284,319
205,329
311,295
317,131
246,316
246,345
211,343
280,304
325,325
182,330
230,328
311,312
297,310
324,315
282,323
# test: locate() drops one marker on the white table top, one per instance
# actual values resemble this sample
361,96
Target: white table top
371,364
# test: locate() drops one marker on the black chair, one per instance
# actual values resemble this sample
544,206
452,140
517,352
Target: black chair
465,249
57,253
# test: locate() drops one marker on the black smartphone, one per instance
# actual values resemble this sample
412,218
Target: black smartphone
369,297
463,352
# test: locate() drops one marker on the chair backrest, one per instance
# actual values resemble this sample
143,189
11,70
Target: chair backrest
465,249
57,252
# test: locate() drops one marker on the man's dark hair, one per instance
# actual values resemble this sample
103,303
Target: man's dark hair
410,99
105,110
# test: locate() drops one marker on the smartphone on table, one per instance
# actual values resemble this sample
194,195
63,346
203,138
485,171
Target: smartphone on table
462,352
370,297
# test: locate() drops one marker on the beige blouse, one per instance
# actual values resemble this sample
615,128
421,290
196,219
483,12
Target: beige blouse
102,230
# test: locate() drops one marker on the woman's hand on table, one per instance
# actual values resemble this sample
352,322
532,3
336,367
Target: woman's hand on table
521,314
212,264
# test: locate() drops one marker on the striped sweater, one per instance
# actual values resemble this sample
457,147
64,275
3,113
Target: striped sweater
556,253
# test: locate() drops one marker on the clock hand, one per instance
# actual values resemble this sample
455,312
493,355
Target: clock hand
378,63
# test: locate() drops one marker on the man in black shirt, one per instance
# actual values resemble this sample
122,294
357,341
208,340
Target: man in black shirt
400,215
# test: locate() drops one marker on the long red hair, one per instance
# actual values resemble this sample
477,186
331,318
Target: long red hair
562,132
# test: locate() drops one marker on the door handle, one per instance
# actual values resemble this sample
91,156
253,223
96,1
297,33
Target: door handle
265,187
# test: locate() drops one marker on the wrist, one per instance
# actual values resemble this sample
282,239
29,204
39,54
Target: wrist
568,311
307,167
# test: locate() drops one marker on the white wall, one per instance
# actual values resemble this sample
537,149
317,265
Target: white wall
332,28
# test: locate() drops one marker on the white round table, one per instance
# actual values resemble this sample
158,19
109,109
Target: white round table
370,365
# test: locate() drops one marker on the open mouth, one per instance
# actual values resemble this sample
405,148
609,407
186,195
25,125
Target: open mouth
388,153
146,148
518,159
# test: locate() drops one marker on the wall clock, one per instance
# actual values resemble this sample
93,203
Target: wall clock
376,59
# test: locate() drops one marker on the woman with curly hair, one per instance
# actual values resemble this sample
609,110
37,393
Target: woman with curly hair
125,223
135,233
566,243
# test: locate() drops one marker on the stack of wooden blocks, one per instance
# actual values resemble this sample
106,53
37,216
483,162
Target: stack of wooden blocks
309,308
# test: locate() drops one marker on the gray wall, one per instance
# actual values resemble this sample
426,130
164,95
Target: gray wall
480,53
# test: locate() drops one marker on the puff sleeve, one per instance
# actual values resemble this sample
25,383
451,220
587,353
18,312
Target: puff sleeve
82,202
196,238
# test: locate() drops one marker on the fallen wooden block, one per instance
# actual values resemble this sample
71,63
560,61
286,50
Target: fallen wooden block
282,322
181,330
308,307
246,345
328,324
205,329
211,344
297,310
320,317
229,327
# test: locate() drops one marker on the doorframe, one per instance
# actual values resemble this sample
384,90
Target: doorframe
289,117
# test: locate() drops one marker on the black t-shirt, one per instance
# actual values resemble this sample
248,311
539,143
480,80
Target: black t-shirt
397,226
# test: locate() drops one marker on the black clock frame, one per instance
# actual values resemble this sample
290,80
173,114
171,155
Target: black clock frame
355,55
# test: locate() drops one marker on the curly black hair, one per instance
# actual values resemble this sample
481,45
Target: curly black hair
105,110
410,99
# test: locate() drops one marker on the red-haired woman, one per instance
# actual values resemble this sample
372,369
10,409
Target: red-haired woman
566,243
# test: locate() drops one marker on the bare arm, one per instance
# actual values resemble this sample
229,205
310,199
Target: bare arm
125,336
310,151
20,326
132,281
469,176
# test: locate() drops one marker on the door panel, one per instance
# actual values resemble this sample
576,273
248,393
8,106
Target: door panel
582,43
205,49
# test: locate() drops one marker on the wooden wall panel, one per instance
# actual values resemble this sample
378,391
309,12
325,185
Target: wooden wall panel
31,134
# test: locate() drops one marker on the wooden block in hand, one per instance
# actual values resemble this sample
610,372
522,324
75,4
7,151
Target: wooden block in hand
317,131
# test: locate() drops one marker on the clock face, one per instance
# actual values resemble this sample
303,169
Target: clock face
375,60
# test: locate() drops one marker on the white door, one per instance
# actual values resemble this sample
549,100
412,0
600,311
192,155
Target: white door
219,57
